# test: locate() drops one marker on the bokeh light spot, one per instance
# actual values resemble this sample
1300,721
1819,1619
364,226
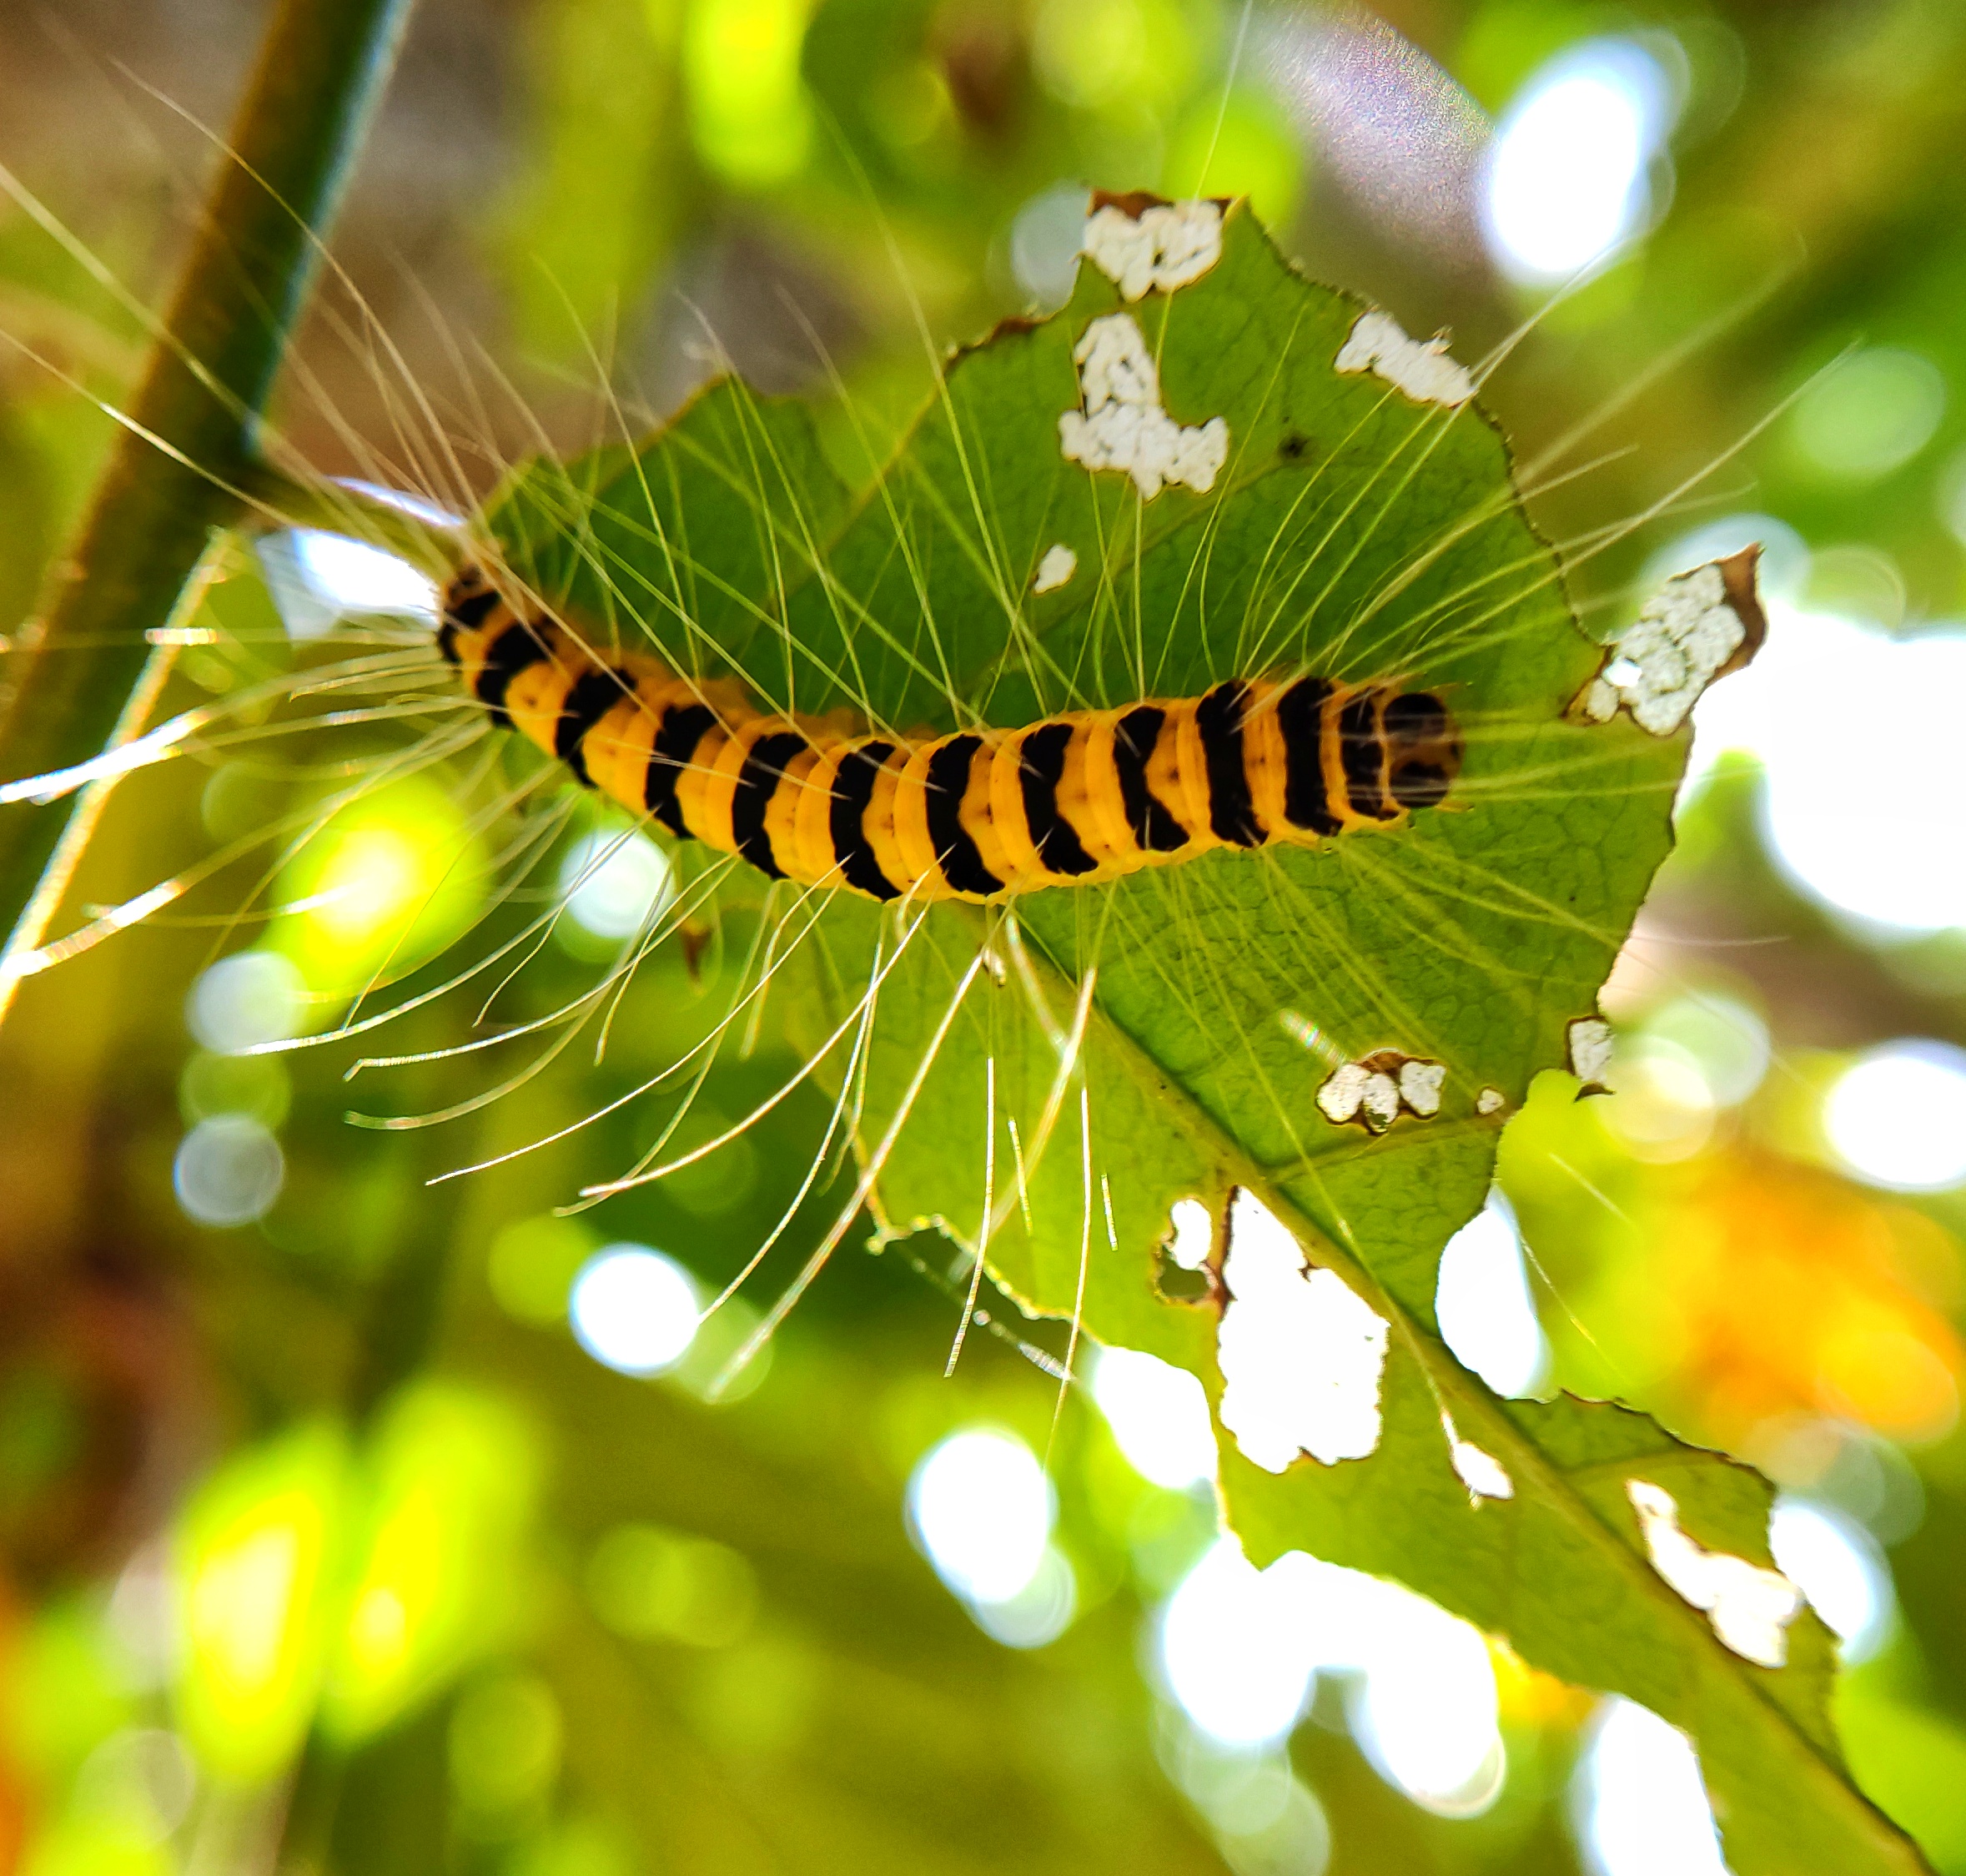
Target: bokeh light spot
384,883
1159,1415
634,1309
370,882
615,882
505,1742
1044,241
1814,682
705,1371
1099,54
532,1265
1240,1649
1566,178
749,113
249,1555
655,1584
1236,1649
1427,1714
437,1582
257,1086
1725,1039
228,1170
1039,1613
243,1001
1869,413
139,1783
1840,1568
1662,1109
1266,1821
981,1509
1897,1116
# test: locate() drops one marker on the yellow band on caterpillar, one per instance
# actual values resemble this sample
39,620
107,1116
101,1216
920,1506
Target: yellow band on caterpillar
980,815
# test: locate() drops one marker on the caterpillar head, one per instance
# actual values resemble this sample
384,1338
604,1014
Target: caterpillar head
1423,749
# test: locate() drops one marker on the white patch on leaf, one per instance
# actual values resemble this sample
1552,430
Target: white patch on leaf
1058,564
1122,424
1590,1048
1374,1089
1481,1472
1194,1234
1657,667
1420,1086
1302,1354
1169,245
1489,1100
1380,1100
1749,1605
1419,367
1343,1092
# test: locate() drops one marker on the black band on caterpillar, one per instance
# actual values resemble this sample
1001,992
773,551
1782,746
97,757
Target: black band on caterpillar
1232,808
950,769
1134,738
1040,769
758,781
1076,798
1299,716
593,695
852,850
682,727
1361,745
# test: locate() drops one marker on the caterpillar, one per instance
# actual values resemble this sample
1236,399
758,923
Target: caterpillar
981,816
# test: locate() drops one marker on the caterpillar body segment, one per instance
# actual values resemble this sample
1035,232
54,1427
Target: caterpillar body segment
979,814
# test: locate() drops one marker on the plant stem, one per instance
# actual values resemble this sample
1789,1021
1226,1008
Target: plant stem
187,448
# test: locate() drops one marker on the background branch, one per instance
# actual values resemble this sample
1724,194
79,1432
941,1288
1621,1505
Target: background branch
175,474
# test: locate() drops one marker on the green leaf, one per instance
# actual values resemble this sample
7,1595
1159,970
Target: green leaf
1075,1067
695,538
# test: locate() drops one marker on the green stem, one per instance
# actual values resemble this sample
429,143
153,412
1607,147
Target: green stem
186,453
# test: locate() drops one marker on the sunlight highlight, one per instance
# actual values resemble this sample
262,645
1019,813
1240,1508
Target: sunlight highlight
1805,707
1486,1313
319,579
1643,1808
1240,1649
1302,1354
1840,1568
390,879
1159,1415
373,879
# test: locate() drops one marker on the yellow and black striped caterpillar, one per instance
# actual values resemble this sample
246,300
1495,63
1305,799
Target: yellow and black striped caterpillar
976,815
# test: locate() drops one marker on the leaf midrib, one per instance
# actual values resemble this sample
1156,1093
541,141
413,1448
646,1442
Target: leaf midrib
1485,1423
